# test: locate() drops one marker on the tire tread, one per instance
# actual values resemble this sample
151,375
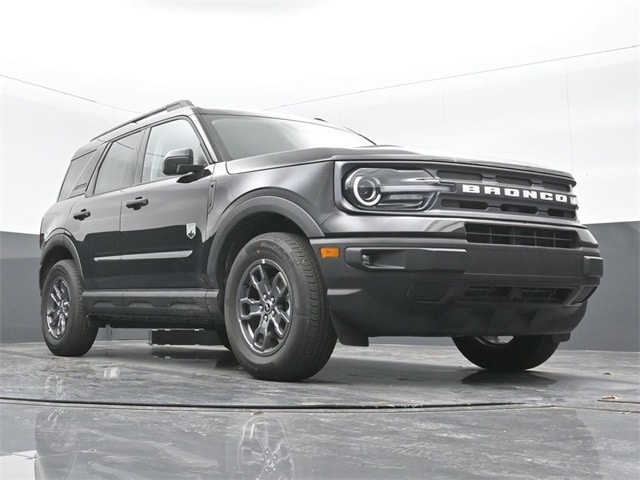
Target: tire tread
79,335
320,338
522,353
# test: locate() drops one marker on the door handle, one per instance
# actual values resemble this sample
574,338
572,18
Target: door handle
82,214
137,203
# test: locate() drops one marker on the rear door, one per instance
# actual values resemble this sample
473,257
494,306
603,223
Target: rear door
94,222
163,218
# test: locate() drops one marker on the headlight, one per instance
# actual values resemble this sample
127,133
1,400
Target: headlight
390,189
366,190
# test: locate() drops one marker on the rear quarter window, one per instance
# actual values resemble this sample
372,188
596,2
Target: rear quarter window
78,175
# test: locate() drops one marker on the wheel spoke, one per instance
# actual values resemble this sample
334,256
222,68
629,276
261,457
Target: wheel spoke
280,288
261,334
496,340
260,280
55,300
249,308
54,324
58,292
281,452
280,322
249,457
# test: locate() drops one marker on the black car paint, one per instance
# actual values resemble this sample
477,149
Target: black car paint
141,279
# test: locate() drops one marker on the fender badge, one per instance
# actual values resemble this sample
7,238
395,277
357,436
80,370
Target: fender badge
191,230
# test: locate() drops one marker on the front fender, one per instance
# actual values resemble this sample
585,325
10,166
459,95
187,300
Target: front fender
244,208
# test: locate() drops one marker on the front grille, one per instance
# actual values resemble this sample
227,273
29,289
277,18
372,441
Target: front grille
513,203
494,293
523,236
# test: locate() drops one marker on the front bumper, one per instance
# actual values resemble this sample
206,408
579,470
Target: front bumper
450,287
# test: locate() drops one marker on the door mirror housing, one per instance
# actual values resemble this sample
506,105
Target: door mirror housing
180,161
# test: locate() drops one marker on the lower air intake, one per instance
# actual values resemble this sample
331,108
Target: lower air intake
492,293
523,236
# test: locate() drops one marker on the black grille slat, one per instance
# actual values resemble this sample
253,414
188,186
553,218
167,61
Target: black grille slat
523,182
465,204
527,209
583,296
561,213
498,293
522,236
459,175
500,206
545,295
486,293
562,187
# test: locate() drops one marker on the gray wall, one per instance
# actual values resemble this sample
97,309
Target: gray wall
613,318
19,295
612,321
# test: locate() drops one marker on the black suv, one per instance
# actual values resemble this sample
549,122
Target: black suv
283,234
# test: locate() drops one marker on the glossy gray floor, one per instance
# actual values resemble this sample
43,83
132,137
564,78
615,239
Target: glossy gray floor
130,411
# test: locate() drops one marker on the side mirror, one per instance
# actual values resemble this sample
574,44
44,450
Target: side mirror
180,161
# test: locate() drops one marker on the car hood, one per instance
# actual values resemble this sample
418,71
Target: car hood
375,152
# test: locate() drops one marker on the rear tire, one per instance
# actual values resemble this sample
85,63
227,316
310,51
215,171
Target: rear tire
65,326
520,353
276,311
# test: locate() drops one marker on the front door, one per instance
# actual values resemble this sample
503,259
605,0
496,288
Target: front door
163,218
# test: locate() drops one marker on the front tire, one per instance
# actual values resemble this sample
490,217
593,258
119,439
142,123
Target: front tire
500,355
276,311
222,336
65,327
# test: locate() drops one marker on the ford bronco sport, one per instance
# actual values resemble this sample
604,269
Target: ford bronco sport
285,234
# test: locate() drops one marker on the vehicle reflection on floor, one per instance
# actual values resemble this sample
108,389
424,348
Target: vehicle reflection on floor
72,443
135,444
129,411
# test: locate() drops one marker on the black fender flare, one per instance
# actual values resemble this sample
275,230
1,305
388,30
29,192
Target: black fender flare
257,204
58,239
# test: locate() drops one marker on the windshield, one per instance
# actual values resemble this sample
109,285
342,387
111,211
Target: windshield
246,136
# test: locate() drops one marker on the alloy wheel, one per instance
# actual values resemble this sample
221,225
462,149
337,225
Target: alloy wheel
58,308
265,304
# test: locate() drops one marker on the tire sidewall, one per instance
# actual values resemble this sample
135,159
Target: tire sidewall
298,335
76,310
521,353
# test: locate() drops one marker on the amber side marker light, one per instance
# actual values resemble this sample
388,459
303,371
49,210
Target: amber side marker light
330,252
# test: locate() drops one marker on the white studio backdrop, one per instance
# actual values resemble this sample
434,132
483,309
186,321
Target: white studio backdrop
40,130
578,114
137,54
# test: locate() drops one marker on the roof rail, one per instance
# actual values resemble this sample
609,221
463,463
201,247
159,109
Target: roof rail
166,108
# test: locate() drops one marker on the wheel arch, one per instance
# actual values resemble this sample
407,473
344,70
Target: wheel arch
58,247
249,218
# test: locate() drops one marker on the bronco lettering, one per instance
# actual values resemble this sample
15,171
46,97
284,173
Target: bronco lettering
518,193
